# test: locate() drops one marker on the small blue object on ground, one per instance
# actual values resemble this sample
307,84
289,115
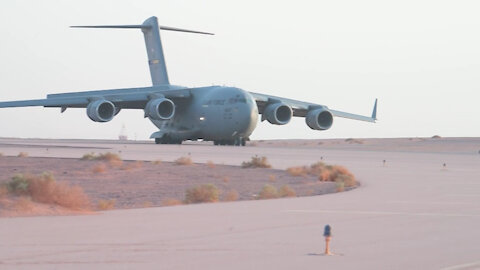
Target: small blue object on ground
327,232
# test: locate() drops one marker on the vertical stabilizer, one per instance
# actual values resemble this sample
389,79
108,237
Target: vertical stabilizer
151,32
156,60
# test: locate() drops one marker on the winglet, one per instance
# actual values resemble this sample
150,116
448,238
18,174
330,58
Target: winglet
374,113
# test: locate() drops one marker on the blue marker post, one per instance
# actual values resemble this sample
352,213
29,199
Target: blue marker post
327,232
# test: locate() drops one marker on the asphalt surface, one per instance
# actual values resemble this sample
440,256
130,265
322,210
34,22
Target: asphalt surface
411,213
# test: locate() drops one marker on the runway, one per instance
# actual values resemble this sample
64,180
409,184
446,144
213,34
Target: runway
411,213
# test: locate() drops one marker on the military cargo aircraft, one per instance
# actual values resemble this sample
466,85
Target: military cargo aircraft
224,115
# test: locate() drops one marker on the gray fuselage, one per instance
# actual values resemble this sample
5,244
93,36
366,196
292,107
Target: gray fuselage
212,113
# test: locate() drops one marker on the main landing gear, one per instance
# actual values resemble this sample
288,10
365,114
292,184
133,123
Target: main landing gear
236,142
167,140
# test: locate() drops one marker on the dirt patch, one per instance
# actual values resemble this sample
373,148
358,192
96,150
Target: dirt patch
154,183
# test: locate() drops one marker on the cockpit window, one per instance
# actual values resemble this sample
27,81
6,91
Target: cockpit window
237,100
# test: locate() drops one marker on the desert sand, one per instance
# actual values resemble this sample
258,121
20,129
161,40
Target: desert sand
134,184
411,212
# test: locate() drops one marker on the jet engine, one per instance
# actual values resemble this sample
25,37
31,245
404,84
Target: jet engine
277,113
101,110
160,109
319,119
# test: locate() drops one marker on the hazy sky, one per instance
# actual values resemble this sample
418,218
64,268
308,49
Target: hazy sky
420,58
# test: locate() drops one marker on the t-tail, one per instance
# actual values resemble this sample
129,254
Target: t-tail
151,33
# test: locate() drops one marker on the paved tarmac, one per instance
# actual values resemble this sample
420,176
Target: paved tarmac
412,213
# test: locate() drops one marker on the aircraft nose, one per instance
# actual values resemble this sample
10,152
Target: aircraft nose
232,114
246,116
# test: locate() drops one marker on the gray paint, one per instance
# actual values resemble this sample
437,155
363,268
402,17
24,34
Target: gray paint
156,60
216,113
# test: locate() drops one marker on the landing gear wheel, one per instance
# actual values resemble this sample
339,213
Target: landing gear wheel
167,140
236,142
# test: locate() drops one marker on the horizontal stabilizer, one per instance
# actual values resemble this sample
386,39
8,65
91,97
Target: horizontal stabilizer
183,30
111,26
141,26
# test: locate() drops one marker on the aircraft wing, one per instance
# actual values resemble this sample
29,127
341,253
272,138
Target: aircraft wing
128,98
301,108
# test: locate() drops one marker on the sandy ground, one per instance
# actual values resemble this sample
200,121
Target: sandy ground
412,213
140,184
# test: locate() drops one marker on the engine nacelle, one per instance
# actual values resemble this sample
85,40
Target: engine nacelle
277,113
160,109
319,119
101,110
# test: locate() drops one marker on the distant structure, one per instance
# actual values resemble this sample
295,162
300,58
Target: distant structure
123,134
